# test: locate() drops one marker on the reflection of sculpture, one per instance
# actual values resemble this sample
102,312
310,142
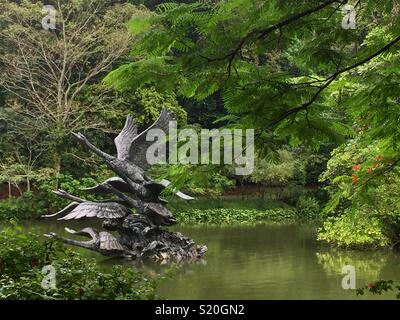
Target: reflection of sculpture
140,234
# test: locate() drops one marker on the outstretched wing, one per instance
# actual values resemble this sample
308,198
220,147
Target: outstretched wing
104,241
139,145
106,210
86,232
64,211
109,243
116,182
124,139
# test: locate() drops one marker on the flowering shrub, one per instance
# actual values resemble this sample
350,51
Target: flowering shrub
379,287
364,187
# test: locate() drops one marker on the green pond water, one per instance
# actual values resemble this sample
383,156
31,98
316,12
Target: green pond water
259,262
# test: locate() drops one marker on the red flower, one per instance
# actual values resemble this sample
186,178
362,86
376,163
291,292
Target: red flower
371,285
354,178
377,165
378,158
356,167
369,169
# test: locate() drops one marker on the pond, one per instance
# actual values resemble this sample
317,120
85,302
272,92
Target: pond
261,262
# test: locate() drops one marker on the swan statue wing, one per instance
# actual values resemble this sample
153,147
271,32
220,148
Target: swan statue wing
139,144
102,210
124,139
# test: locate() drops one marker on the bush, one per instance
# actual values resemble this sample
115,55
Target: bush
23,207
277,169
308,208
235,216
363,185
379,287
42,201
22,257
354,228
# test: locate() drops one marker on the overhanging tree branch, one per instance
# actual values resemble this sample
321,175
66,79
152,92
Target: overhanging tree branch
332,78
262,33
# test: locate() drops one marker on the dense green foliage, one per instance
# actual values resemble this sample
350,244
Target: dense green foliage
354,229
379,287
200,48
308,208
42,201
236,216
323,100
288,69
246,211
291,71
364,189
22,257
50,87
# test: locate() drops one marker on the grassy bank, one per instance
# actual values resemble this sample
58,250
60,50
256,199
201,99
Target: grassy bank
236,216
22,257
243,211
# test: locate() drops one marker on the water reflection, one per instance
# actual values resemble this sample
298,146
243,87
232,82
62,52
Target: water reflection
256,262
370,263
275,262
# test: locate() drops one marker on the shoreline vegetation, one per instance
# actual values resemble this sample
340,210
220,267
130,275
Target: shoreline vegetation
223,216
245,205
324,106
234,207
229,209
24,255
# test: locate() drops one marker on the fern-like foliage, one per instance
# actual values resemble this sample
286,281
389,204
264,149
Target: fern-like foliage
272,61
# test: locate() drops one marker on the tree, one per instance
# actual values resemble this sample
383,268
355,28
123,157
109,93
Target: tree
276,63
295,73
276,171
45,72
